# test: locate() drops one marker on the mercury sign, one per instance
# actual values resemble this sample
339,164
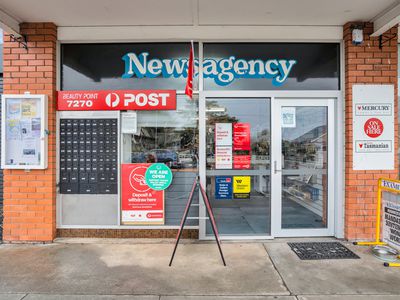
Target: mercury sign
373,127
223,71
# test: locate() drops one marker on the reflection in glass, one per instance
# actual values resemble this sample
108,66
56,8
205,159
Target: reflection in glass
168,137
249,213
304,165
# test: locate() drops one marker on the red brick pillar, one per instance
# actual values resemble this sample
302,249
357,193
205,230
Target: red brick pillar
30,197
365,64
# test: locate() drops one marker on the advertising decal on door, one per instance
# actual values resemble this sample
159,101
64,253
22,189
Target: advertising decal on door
223,134
241,136
373,127
232,147
242,162
223,187
223,145
223,157
241,187
140,204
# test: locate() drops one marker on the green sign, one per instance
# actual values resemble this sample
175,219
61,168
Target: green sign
158,176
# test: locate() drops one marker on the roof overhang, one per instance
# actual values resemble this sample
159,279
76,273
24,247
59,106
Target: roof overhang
386,20
123,20
9,24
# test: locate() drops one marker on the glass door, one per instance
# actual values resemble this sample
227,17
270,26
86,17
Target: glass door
302,167
237,137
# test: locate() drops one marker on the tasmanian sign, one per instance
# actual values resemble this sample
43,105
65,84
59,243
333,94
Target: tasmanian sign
373,127
117,100
140,203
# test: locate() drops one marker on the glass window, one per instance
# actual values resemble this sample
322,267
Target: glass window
169,137
102,66
317,66
238,133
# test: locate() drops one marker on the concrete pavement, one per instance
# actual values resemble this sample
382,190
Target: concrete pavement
137,269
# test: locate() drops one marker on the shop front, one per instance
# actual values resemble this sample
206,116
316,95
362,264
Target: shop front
264,133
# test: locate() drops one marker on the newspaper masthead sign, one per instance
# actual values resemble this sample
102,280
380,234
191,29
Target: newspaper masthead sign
373,127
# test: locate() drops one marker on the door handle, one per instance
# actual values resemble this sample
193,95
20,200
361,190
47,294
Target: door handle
276,170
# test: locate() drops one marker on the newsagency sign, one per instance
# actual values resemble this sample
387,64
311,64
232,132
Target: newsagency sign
223,71
373,127
225,66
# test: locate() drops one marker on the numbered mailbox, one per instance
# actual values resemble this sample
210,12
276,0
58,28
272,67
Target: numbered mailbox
24,131
87,166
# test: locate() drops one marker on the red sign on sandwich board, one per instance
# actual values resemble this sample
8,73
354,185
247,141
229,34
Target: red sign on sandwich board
117,100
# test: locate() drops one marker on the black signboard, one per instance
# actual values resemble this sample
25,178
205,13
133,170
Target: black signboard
226,66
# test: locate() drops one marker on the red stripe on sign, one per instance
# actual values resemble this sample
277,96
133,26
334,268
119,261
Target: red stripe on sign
117,100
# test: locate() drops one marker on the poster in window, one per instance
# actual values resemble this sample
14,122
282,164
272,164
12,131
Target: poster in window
241,187
288,117
241,136
140,204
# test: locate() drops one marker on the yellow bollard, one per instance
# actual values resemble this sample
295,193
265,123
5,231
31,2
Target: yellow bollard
392,264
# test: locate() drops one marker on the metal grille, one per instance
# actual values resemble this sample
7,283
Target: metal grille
322,250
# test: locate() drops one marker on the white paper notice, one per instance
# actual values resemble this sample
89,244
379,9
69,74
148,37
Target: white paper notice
30,151
223,157
223,134
373,127
129,122
288,117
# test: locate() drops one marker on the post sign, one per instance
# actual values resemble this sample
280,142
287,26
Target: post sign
117,100
223,187
373,127
241,187
140,203
158,176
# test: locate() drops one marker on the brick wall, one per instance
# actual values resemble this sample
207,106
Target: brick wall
365,64
30,197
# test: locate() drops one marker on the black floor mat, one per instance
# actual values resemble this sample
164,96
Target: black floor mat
322,250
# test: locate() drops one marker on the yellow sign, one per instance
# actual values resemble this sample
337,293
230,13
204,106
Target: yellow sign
241,187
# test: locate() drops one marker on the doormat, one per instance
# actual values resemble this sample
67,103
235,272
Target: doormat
322,250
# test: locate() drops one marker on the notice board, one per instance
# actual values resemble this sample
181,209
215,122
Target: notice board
373,127
24,131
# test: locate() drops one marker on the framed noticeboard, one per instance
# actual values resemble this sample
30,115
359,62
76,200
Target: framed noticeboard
24,131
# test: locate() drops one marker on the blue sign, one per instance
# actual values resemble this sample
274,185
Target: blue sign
223,71
223,187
